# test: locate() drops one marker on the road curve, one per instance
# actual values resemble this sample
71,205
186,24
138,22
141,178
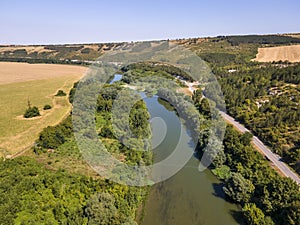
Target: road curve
275,159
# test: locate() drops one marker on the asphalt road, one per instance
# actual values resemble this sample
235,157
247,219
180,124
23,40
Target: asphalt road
274,158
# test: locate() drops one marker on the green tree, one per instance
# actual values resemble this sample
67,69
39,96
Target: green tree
32,112
215,152
238,188
197,97
204,107
246,138
255,216
101,209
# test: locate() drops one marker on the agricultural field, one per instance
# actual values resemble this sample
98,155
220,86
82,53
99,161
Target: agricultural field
38,83
295,35
281,53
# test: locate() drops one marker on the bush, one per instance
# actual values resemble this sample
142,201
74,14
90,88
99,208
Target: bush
54,136
51,137
72,92
46,107
86,51
222,173
32,112
61,93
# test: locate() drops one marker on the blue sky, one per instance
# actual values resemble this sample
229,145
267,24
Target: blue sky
74,21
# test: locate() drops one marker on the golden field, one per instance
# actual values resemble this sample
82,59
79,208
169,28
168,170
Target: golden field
290,53
38,83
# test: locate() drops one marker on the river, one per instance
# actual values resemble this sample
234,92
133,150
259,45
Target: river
190,197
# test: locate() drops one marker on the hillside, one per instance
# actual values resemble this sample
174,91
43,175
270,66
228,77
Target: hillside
65,54
245,46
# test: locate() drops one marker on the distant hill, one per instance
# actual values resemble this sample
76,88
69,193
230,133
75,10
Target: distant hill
262,39
86,53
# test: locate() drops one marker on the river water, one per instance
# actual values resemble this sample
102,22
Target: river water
190,197
116,77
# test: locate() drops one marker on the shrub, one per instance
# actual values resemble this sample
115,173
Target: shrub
86,51
51,137
72,92
46,107
54,136
61,93
32,112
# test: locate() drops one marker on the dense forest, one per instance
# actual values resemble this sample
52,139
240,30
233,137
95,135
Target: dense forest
266,100
162,69
32,194
266,197
261,39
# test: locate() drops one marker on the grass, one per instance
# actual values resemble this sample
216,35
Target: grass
18,133
66,157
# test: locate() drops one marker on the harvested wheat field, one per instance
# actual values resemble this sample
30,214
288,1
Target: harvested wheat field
11,72
39,83
290,53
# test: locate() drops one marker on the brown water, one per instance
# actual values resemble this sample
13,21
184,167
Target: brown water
190,197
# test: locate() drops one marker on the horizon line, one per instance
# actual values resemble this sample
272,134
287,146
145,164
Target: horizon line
145,40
